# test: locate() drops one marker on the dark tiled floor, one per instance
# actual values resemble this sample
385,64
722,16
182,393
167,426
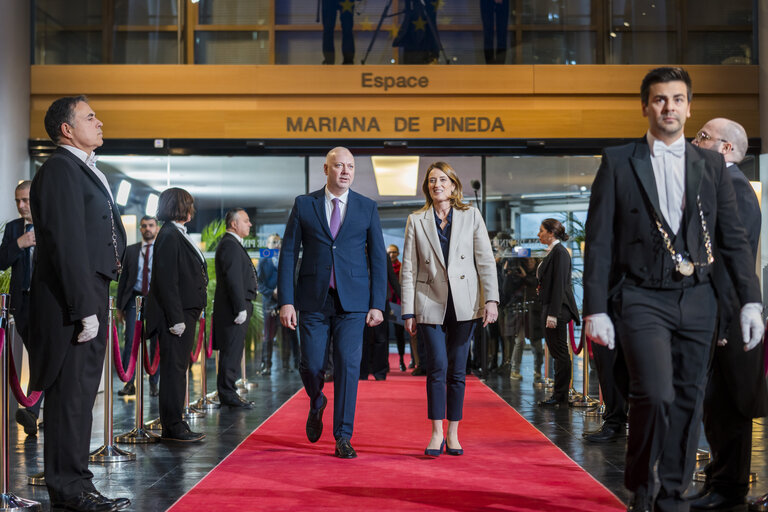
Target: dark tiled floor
162,473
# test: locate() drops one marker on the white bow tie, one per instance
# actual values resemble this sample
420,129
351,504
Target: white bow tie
659,148
91,159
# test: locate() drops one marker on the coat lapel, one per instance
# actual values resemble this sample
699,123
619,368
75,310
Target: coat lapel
694,172
428,225
641,164
319,205
351,203
458,220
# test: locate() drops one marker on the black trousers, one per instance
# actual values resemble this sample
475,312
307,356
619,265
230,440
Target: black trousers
290,347
614,383
666,336
230,357
174,362
375,352
495,18
557,342
69,411
330,7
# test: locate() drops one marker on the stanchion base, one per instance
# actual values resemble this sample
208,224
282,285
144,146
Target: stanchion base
137,436
702,455
206,405
243,384
759,504
585,402
596,412
700,476
111,453
213,396
10,501
36,479
190,413
155,424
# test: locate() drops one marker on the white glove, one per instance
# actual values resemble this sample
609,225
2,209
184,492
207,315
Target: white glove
178,329
599,329
551,322
90,329
240,318
752,324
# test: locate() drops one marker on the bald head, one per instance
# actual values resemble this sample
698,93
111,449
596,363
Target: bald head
339,169
724,136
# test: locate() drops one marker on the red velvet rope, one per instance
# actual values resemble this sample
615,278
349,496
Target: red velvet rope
589,346
24,400
151,369
126,375
200,336
571,333
209,351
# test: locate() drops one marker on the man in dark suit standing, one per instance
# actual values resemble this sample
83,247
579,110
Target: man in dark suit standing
16,251
80,242
134,282
232,307
736,391
267,281
342,286
661,209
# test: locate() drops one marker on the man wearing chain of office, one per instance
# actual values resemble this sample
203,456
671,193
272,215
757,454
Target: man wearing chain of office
660,211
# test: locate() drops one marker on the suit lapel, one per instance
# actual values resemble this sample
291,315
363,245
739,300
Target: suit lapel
694,172
641,164
458,219
319,205
351,203
429,227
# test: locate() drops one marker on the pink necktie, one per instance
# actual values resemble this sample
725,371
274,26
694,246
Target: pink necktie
335,225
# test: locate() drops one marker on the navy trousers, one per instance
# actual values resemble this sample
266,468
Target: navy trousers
447,349
318,329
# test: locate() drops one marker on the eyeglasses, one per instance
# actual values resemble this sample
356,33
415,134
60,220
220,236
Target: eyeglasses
702,135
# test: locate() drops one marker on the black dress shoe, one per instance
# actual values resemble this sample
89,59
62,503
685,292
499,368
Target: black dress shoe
315,422
28,420
344,450
238,402
553,402
128,390
184,435
120,503
402,366
411,364
153,391
713,500
419,371
607,434
266,372
86,502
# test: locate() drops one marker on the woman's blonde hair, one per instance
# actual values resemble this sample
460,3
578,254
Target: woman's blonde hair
456,195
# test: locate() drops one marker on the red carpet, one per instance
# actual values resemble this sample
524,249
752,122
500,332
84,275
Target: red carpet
508,465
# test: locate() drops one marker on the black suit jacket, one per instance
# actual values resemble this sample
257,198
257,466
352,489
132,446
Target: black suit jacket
743,372
235,287
12,256
74,258
555,291
622,240
179,281
129,275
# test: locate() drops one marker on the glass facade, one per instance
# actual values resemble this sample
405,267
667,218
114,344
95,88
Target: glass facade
470,31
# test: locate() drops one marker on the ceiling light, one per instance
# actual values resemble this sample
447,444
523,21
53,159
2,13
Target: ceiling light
123,191
151,209
396,175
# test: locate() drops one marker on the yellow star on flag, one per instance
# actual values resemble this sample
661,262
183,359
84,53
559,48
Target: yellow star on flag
366,24
393,30
438,4
419,23
347,5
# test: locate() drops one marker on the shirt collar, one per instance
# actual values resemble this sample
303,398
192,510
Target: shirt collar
179,225
237,237
89,160
144,244
342,198
554,243
678,144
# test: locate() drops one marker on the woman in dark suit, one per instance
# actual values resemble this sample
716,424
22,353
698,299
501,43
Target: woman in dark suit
448,282
177,295
558,306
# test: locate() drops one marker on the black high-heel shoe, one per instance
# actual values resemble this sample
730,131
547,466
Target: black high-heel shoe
453,451
435,453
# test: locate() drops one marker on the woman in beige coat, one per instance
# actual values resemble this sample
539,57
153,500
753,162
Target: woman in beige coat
448,279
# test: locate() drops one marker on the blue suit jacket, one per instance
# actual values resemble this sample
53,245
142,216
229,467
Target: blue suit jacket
267,282
357,252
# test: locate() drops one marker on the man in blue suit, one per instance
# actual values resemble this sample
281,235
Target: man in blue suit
341,287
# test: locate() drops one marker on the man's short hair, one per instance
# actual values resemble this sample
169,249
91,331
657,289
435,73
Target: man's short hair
734,133
61,111
664,75
148,217
175,204
24,185
231,216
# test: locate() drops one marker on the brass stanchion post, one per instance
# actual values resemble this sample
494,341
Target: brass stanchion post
242,384
548,382
108,452
586,400
203,403
8,500
190,413
139,434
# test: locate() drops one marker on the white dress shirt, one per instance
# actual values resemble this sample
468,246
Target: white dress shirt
90,162
329,205
183,230
668,163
